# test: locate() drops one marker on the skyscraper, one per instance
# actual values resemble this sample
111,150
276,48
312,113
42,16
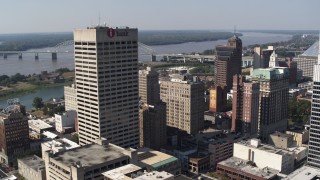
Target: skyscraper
218,99
106,73
228,63
274,97
273,60
14,134
149,87
245,105
185,104
261,57
153,124
314,139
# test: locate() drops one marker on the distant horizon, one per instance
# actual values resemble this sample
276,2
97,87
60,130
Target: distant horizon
222,30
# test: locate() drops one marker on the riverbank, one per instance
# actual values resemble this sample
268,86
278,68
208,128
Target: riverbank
21,88
29,86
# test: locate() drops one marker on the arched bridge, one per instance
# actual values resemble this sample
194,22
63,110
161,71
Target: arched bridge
143,50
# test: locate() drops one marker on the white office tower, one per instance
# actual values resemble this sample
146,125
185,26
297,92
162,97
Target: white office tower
314,138
273,60
106,72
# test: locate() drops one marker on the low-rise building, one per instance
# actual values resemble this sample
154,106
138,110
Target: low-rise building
265,155
133,172
183,156
88,161
32,168
158,161
39,126
304,173
300,137
65,122
216,142
237,168
5,176
57,145
199,162
281,140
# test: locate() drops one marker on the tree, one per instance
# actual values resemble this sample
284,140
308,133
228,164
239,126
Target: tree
299,111
37,103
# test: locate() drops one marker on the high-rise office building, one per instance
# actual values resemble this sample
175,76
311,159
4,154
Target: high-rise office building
153,118
261,57
70,98
273,60
307,60
245,105
218,99
106,73
149,87
314,140
14,134
185,104
228,63
153,126
274,97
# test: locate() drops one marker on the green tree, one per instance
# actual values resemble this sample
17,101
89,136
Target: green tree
37,103
299,111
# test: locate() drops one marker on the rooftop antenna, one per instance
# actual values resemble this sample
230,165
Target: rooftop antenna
234,30
99,18
319,49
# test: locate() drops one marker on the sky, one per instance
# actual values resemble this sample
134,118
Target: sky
24,16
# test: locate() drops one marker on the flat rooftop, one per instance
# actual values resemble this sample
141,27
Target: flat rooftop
155,175
304,173
59,144
155,159
38,124
280,134
244,166
121,172
264,147
89,155
34,162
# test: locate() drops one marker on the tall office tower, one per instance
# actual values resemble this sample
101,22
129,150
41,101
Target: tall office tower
307,60
218,99
292,65
314,142
185,104
106,73
153,128
228,63
14,134
237,102
273,60
70,98
149,87
274,91
261,57
245,105
153,118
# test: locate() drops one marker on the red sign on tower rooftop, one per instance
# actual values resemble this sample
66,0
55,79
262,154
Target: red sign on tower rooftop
111,33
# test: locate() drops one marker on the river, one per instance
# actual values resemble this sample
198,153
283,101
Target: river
28,64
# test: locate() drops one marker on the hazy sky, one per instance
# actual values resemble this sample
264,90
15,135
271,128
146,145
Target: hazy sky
18,16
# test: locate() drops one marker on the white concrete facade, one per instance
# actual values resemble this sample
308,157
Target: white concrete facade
106,73
265,156
67,119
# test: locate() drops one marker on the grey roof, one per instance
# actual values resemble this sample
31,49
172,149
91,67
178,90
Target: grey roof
246,167
33,162
312,51
90,155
